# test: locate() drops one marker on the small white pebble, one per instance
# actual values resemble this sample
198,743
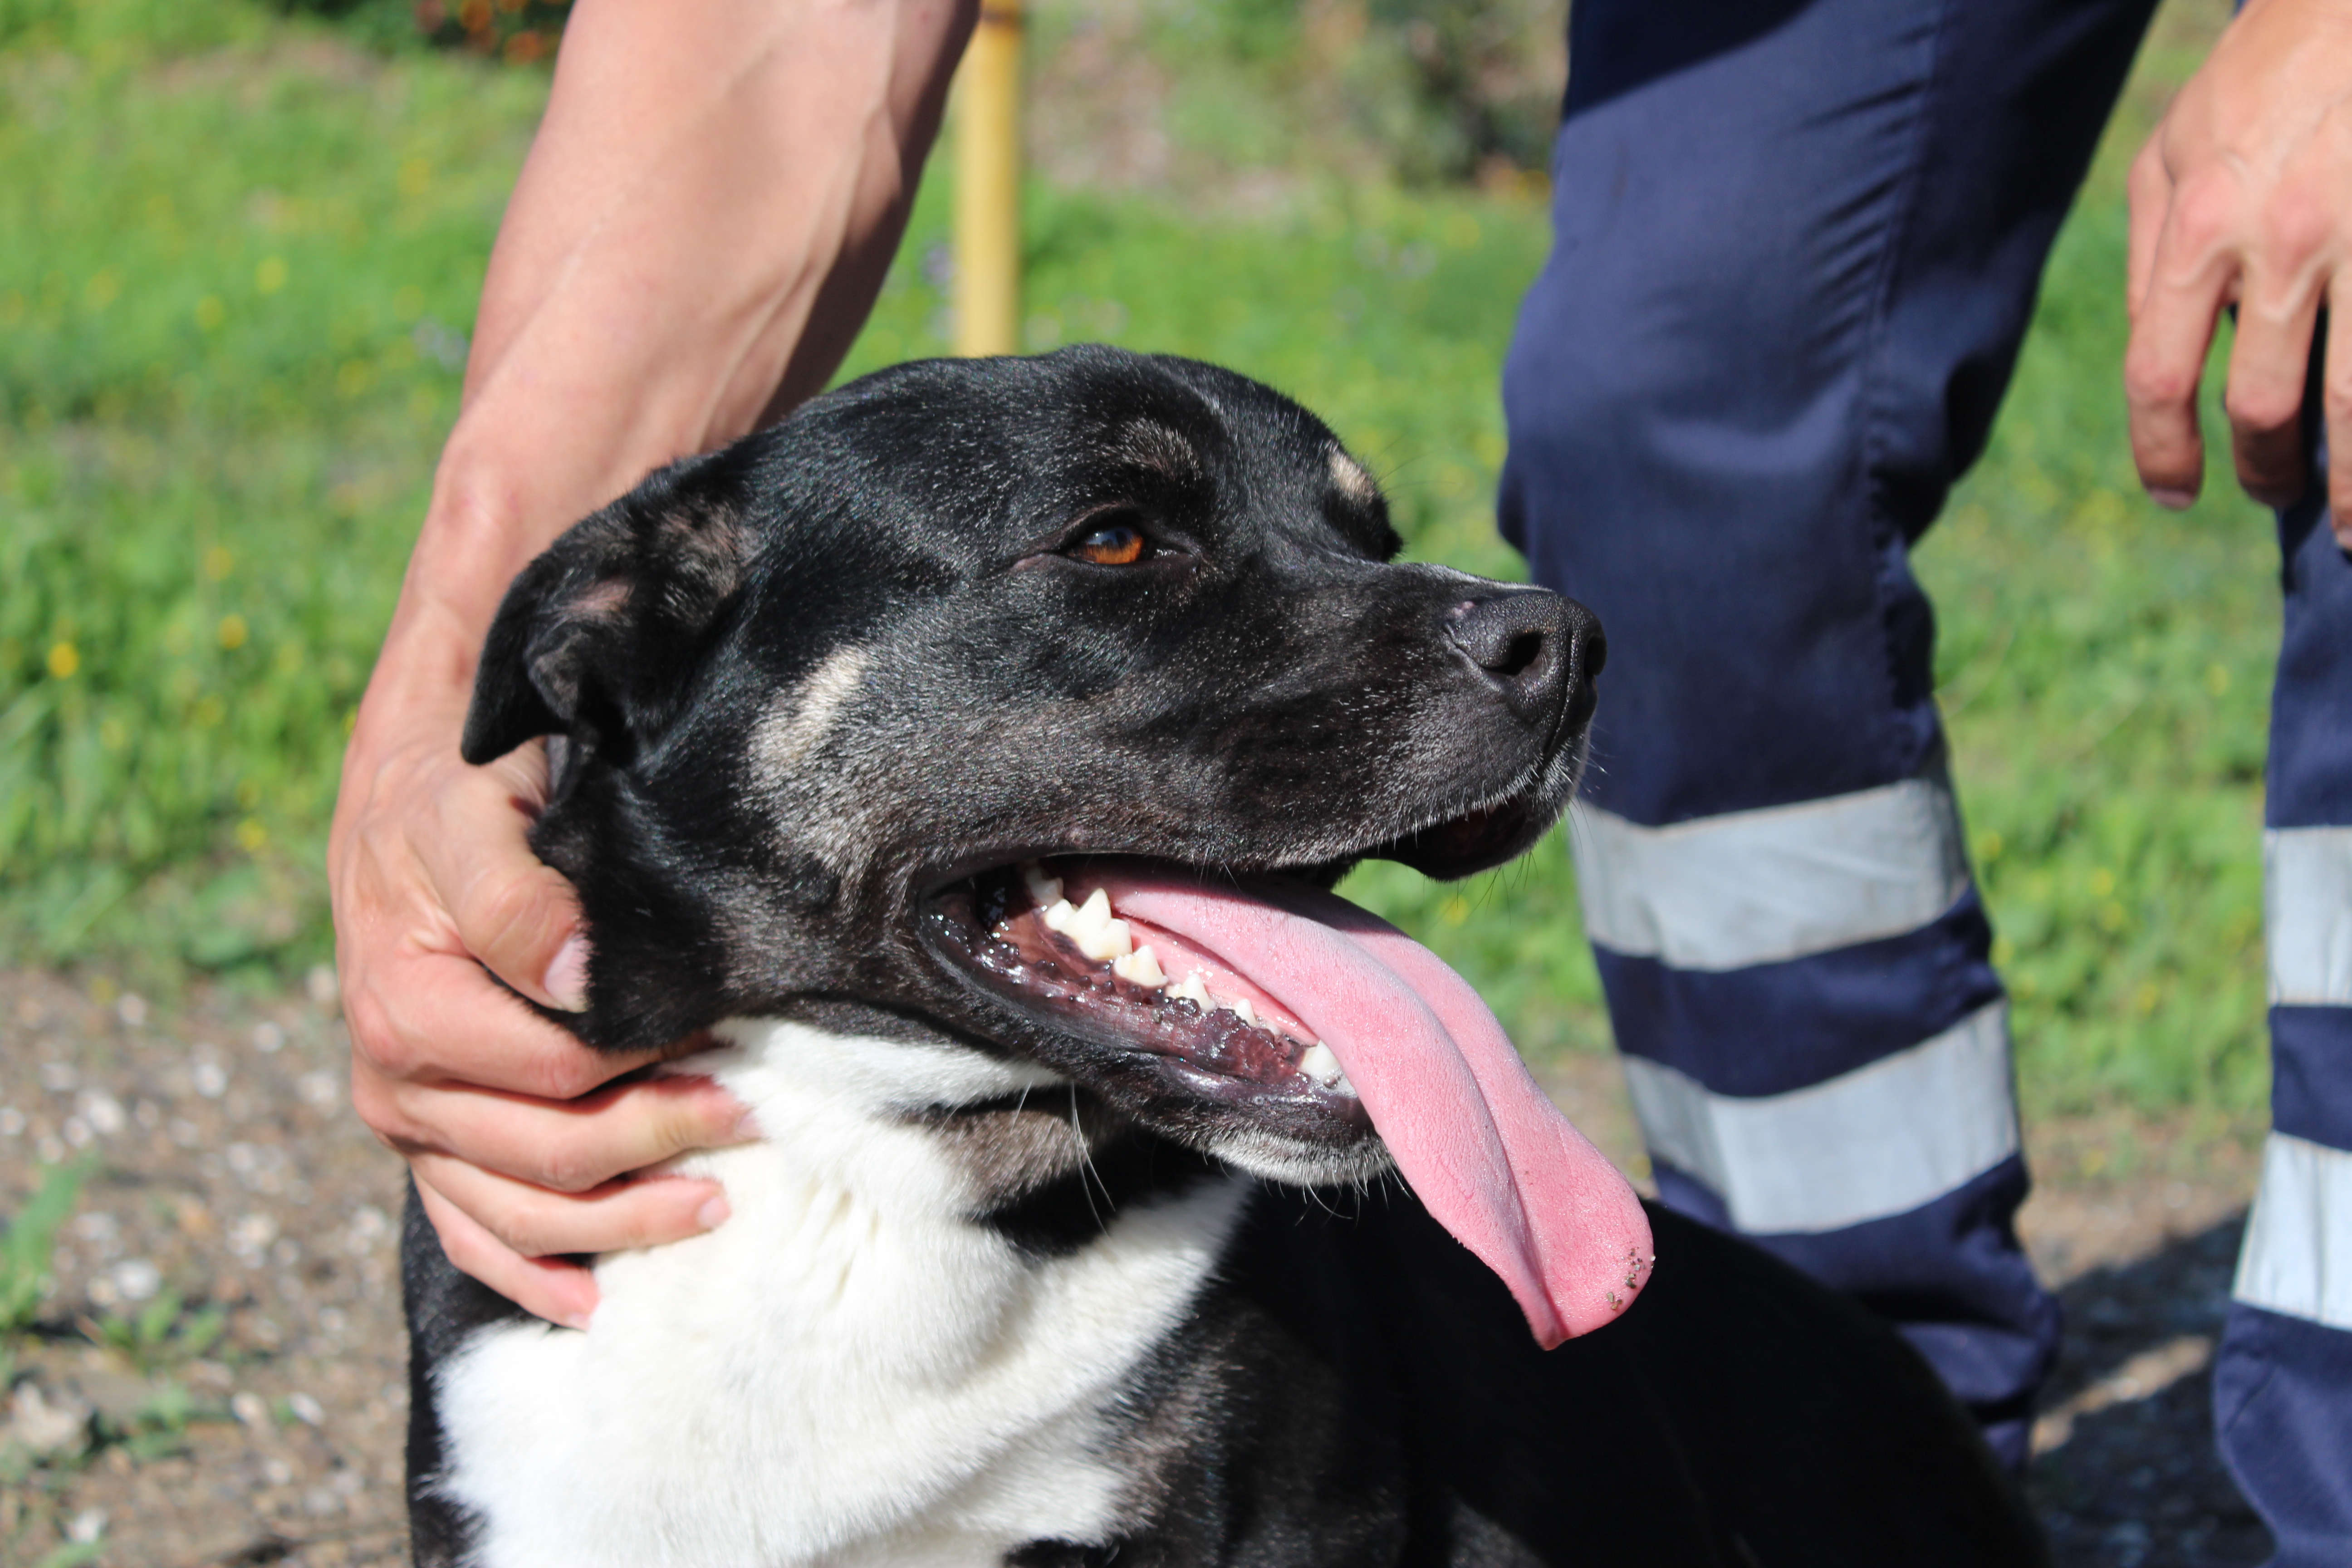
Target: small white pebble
59,1077
320,1088
87,1526
136,1279
248,1407
321,984
132,1009
184,1132
306,1409
268,1039
77,1132
209,1079
101,1110
276,1472
250,1237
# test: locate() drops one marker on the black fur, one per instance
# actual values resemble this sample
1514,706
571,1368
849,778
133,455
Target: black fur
808,693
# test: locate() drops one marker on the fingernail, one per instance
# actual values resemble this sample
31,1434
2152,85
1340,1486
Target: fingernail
567,977
2171,499
748,1129
576,1320
713,1213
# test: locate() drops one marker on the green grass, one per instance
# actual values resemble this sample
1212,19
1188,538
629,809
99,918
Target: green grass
223,379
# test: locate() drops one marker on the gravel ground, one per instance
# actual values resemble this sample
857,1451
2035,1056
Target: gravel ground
229,1175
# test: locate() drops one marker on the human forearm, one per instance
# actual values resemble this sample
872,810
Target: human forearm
701,225
708,173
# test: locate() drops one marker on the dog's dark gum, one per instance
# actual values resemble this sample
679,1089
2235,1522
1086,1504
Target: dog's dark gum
1020,957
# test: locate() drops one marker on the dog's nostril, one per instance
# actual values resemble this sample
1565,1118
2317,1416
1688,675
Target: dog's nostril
1522,651
1591,646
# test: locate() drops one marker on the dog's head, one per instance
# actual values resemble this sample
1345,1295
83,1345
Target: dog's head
869,706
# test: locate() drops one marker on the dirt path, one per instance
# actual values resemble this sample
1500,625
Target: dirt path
230,1173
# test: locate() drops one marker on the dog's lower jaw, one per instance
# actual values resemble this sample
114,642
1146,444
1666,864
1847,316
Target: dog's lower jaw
852,1369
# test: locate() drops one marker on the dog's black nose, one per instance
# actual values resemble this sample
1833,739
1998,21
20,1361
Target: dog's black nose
1535,645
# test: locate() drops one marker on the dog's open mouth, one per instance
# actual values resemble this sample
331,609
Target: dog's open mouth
1311,1020
1045,934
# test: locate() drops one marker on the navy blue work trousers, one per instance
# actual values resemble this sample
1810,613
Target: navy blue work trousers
1796,247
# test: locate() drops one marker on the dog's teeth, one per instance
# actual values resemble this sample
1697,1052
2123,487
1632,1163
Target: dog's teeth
1098,934
1320,1065
1244,1012
1092,915
1142,967
1058,915
1189,989
1043,891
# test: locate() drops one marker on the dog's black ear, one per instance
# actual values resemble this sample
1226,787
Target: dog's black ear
597,639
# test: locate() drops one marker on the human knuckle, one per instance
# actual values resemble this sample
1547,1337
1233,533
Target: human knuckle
569,1165
2205,213
2262,406
565,1072
2295,224
2152,379
380,1046
377,1107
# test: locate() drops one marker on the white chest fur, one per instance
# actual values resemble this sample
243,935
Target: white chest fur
848,1371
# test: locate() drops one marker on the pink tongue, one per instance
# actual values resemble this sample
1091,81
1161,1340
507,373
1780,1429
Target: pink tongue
1482,1148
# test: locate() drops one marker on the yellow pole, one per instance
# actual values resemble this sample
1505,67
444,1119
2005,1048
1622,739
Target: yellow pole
988,186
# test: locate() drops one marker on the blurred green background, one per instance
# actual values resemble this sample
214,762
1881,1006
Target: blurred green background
239,246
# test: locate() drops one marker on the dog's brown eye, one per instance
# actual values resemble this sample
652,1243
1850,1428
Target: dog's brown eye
1116,544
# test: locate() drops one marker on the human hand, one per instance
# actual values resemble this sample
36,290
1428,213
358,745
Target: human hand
520,1155
2243,195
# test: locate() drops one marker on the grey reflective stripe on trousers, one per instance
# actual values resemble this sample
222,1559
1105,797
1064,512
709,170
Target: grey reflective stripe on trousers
1881,1140
1762,887
2307,913
2297,1258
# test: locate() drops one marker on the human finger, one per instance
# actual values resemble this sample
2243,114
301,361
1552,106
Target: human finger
425,1019
513,911
2268,364
2150,194
546,1288
2189,278
571,1146
533,1222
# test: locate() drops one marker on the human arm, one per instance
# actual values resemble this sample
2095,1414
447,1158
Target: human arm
2243,195
704,219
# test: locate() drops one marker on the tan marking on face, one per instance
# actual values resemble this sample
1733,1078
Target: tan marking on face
603,601
1353,480
797,724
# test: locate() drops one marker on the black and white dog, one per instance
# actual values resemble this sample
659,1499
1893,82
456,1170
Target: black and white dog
971,755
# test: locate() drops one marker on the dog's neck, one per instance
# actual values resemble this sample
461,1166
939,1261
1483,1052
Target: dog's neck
905,1380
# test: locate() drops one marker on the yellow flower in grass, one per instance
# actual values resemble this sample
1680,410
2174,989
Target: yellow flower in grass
233,631
64,660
